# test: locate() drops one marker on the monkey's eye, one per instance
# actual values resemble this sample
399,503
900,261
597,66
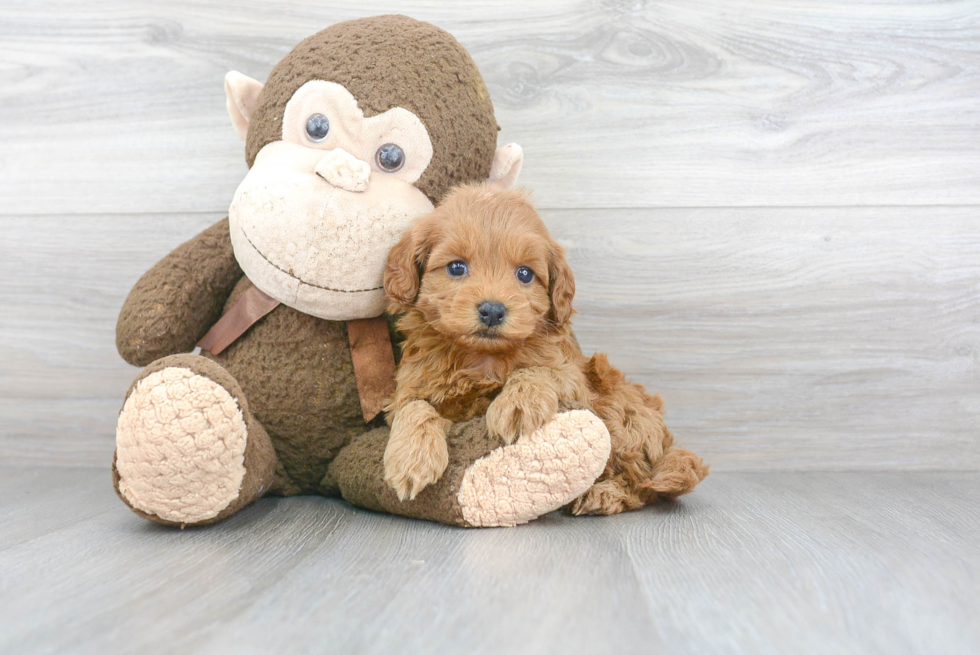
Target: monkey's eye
390,158
456,269
525,275
317,127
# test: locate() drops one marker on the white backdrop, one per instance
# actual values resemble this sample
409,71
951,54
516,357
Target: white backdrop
772,209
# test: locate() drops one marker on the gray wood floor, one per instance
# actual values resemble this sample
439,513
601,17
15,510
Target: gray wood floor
780,338
751,563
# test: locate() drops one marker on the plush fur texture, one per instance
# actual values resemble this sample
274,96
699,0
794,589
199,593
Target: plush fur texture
175,449
197,426
455,365
289,379
486,483
386,62
179,299
514,484
312,222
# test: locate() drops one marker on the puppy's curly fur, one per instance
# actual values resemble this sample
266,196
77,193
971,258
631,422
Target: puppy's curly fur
517,361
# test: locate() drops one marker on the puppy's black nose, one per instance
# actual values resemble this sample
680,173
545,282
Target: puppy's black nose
491,313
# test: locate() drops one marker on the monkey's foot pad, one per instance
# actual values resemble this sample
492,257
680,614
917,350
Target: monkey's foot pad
180,446
539,473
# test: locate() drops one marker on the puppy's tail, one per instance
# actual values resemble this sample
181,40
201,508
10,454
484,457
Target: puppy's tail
676,473
645,458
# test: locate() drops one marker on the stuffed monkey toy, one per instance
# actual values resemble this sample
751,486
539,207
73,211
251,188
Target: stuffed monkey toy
359,129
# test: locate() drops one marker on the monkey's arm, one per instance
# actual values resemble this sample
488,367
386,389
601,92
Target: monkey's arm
179,299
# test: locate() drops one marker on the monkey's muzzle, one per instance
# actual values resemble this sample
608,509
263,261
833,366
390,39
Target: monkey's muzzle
344,171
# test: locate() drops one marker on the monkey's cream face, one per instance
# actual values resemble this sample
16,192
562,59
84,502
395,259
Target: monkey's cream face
313,221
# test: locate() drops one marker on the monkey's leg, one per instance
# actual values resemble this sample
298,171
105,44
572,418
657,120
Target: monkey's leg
188,450
486,484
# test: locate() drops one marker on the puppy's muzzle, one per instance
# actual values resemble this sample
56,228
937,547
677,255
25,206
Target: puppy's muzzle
491,313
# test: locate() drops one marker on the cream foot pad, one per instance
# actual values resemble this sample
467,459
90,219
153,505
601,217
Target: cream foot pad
180,446
539,473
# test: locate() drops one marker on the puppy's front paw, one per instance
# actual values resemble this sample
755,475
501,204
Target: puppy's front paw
416,455
415,461
521,408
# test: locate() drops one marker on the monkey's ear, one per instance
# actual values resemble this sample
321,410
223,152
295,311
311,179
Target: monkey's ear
561,286
242,96
506,166
406,263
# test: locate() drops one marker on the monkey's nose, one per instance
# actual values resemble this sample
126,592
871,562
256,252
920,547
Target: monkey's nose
491,313
344,170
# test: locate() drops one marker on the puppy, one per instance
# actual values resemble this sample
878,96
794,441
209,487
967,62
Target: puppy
486,295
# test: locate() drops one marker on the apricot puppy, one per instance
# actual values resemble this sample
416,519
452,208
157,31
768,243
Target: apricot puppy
487,295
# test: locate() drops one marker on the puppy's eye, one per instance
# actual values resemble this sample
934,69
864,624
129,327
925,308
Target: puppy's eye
390,157
525,275
317,127
456,269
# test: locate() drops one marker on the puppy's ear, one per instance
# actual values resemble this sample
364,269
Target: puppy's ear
406,263
561,285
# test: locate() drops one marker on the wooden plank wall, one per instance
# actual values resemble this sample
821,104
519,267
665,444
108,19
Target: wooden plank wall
772,207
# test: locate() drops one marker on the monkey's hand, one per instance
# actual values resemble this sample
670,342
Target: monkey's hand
529,400
416,455
179,299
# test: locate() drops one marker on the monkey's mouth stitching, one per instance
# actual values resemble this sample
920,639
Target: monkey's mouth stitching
309,284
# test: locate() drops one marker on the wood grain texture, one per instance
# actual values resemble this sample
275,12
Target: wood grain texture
61,380
780,338
794,338
750,563
117,106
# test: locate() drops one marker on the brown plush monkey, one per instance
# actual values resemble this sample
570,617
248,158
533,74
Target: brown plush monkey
361,128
